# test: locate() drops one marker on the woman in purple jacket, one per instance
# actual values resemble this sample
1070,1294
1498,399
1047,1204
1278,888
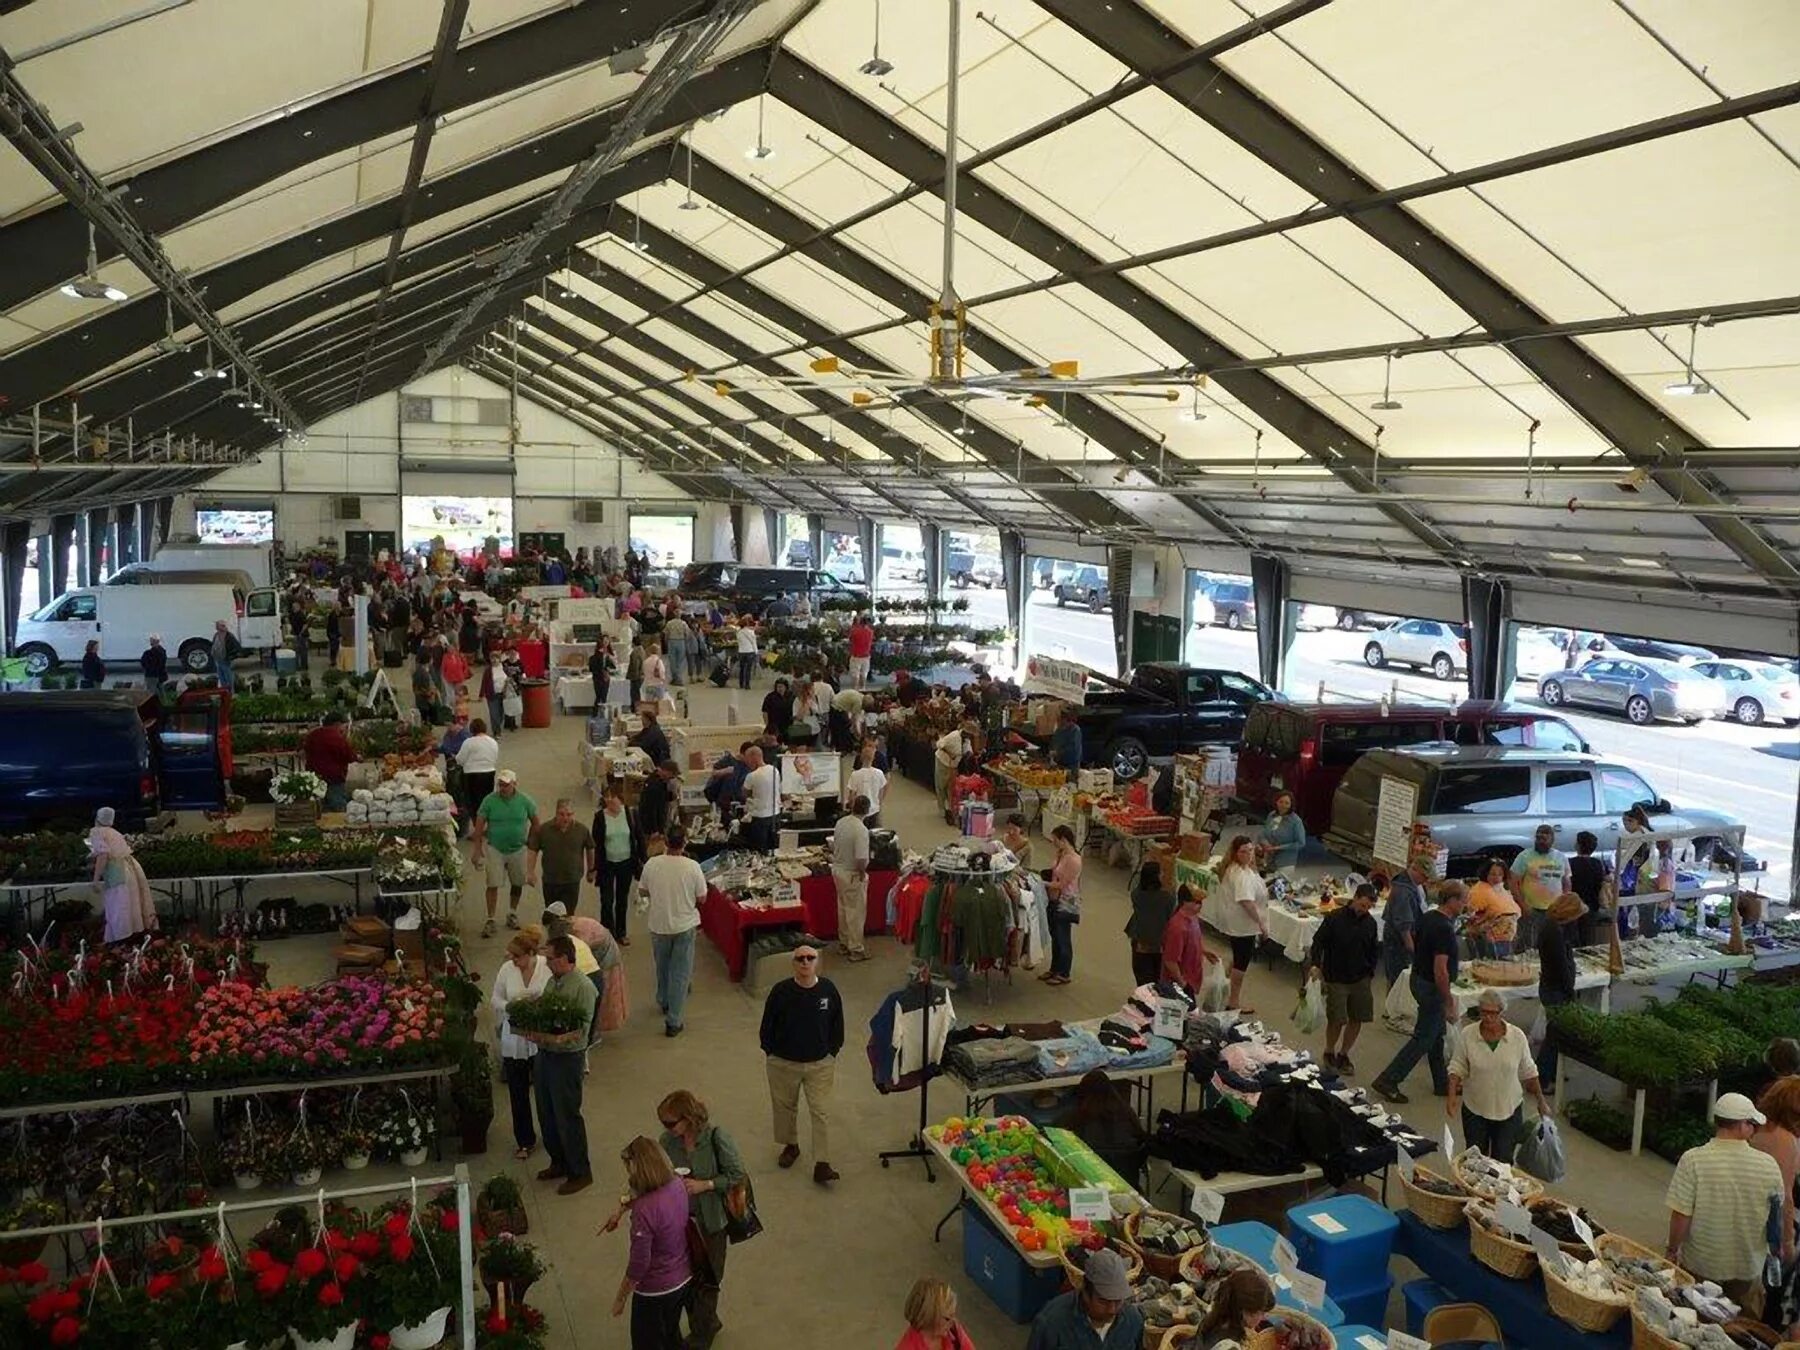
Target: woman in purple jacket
657,1274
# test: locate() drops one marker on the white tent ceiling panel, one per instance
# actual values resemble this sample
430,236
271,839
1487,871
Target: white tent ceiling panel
909,237
1073,325
252,221
821,294
840,185
54,310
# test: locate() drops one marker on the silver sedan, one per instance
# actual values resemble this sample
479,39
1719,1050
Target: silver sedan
1645,690
1756,691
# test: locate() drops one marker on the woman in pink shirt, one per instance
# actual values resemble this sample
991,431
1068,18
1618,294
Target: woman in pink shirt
931,1319
1184,954
1064,885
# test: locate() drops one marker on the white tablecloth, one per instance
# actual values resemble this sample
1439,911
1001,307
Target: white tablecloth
1294,933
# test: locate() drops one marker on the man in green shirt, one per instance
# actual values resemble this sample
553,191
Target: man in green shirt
557,1071
566,850
504,824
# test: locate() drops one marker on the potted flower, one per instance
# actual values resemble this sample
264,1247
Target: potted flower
516,1327
355,1142
472,1094
243,1157
508,1263
297,796
500,1206
321,1297
29,1213
301,1157
412,1281
404,1133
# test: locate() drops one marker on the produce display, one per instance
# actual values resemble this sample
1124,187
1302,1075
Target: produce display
1013,1165
49,857
1703,1033
408,800
1493,1179
1027,771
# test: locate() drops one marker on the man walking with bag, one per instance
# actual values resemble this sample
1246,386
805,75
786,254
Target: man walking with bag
802,1032
1433,972
850,871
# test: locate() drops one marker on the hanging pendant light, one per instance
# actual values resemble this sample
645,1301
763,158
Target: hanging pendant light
1387,402
1691,385
875,66
762,149
688,203
88,285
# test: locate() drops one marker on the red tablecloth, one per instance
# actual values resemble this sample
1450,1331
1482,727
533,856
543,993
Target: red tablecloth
728,923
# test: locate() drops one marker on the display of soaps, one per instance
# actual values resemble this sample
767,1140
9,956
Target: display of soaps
1018,1170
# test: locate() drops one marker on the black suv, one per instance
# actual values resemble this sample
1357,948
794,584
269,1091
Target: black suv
1086,587
754,589
1233,604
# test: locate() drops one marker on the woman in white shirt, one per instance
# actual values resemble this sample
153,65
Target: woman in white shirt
868,781
1491,1070
1238,907
656,675
524,974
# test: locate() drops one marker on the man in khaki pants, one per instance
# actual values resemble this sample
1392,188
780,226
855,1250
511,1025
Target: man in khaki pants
802,1032
850,870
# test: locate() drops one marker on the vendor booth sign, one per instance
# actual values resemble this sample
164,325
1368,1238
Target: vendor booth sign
1066,680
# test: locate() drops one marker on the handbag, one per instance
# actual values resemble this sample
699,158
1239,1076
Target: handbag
741,1219
699,1261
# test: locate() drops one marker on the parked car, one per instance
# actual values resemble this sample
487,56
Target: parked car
707,578
1162,709
1234,604
973,569
1306,748
1352,619
1645,690
1315,618
1426,644
69,754
123,617
1087,587
754,589
901,564
1681,653
1205,612
1536,654
1050,571
1486,802
1755,691
799,553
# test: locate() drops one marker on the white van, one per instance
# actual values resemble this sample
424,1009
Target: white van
123,617
144,574
256,559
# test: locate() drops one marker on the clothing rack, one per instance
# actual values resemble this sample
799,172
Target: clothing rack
915,1147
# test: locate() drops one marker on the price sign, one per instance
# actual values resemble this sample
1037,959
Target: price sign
1171,1018
1090,1203
1325,1224
1309,1289
1582,1230
1287,1261
1208,1205
1515,1219
1405,1160
1400,1340
1370,1340
1449,1144
1544,1245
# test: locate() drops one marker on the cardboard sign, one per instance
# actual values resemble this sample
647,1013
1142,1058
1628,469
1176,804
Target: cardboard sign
1207,1205
1395,807
1449,1144
1287,1261
1066,680
1401,1340
1309,1289
1090,1203
1582,1230
1405,1160
1369,1340
1515,1219
1326,1224
1171,1018
1543,1244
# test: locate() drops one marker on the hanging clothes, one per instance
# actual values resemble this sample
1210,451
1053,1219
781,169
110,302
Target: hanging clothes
982,918
907,1036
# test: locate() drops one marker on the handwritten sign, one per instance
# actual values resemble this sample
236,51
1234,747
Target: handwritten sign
1325,1224
1544,1245
1208,1205
1515,1219
1066,680
1401,1340
1287,1261
1090,1203
1449,1143
1309,1289
1582,1229
1395,807
1170,1021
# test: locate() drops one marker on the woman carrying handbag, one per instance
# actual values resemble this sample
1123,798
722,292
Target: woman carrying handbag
709,1161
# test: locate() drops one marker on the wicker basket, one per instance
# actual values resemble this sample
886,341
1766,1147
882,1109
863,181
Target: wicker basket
1529,1188
1580,1310
1227,1258
1433,1210
1577,1249
1134,1265
1613,1244
1494,1249
1646,1337
1266,1336
1178,1337
1159,1264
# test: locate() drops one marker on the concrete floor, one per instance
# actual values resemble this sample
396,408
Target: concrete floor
833,1267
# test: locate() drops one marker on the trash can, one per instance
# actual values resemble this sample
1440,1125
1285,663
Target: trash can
536,696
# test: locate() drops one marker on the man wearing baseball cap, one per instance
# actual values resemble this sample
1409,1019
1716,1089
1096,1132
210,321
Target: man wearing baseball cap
1099,1314
505,822
1719,1204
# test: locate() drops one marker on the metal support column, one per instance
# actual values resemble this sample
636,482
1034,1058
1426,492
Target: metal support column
1118,590
146,531
931,544
1274,626
868,541
815,538
739,529
62,534
1487,609
165,517
1012,567
17,537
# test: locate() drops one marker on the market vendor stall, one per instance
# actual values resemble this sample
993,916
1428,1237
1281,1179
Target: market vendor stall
748,891
1058,1063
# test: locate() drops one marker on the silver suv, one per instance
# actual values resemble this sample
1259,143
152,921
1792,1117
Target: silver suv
1485,801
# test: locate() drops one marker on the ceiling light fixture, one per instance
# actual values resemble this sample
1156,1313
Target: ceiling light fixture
636,243
88,285
875,65
168,344
208,371
688,203
1193,413
762,149
1692,386
1387,402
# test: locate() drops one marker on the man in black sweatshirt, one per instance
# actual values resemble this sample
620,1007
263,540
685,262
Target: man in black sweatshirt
802,1032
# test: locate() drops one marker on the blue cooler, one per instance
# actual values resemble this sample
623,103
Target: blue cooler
1365,1305
991,1260
1347,1240
1357,1336
1257,1241
1421,1296
287,661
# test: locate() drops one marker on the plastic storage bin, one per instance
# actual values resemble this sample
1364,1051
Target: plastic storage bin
1345,1239
1421,1296
1357,1336
1257,1241
1365,1305
287,661
992,1262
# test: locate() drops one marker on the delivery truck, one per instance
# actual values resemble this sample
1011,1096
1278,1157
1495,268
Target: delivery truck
124,617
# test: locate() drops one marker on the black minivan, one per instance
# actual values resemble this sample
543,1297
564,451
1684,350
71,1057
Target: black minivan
70,753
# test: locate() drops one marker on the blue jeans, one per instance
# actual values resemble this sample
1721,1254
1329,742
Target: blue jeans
1426,1043
1062,940
1499,1139
674,956
678,656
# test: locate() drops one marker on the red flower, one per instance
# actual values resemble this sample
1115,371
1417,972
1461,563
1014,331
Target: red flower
42,1308
337,1240
66,1331
366,1245
270,1281
496,1323
331,1294
32,1272
345,1267
310,1263
401,1248
258,1260
379,1341
396,1224
449,1220
68,1300
212,1265
160,1284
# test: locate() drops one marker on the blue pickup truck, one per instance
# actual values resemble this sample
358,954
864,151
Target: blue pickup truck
1163,709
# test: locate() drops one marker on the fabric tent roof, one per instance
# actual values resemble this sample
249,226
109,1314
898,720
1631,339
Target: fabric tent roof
1512,222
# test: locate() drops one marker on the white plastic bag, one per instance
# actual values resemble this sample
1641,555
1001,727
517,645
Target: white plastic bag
1309,1012
1215,987
1541,1153
1401,1009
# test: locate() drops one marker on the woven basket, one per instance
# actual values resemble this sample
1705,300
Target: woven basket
1614,1244
1134,1265
1266,1337
1529,1188
1579,1250
1225,1258
1178,1337
1646,1337
1159,1264
1494,1249
1580,1310
1433,1210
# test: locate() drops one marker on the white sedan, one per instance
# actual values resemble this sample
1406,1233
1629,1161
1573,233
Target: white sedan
1427,644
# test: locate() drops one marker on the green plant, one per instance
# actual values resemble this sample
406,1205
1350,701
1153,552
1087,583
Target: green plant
549,1014
34,1213
1602,1120
413,1275
472,1085
501,1192
1672,1133
244,1154
520,1327
505,1259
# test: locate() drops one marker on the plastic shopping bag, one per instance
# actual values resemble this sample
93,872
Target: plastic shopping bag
1215,987
1309,1012
1541,1154
1401,1009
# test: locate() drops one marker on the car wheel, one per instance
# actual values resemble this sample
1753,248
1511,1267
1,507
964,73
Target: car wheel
1551,693
39,660
1233,620
1638,709
1128,757
1443,667
1749,712
196,656
1094,602
1349,621
1374,657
